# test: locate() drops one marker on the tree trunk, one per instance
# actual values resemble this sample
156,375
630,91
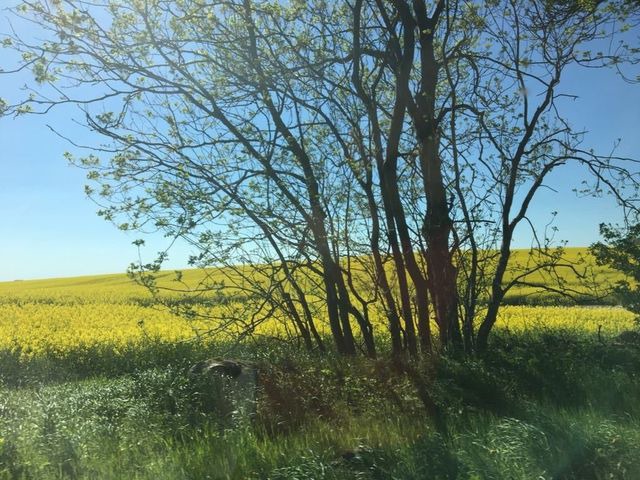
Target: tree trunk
297,321
497,292
338,304
437,225
442,282
381,275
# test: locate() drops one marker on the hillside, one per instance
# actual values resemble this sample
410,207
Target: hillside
119,287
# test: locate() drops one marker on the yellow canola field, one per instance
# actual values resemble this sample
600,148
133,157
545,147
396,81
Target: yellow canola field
36,330
52,330
612,320
110,312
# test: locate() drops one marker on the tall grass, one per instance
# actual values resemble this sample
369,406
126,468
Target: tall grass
542,404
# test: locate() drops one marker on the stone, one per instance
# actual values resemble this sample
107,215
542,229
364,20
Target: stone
233,386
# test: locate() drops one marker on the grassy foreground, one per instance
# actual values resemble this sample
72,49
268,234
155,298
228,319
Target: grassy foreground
543,404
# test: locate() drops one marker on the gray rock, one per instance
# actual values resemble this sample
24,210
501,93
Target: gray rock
233,386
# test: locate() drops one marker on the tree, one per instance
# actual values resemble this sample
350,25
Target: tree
522,138
621,251
365,158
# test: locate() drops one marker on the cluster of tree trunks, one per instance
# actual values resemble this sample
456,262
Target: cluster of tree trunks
366,158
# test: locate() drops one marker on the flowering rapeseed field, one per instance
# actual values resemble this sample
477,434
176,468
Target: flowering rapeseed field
611,320
53,318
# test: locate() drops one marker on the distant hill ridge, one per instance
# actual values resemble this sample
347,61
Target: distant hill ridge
120,285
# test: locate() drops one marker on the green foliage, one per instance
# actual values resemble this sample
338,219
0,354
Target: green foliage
621,251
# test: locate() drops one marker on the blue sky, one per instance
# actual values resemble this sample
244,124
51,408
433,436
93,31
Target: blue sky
48,228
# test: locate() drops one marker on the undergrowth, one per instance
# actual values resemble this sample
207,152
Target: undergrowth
545,404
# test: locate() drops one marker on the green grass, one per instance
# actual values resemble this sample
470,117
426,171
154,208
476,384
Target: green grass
541,405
